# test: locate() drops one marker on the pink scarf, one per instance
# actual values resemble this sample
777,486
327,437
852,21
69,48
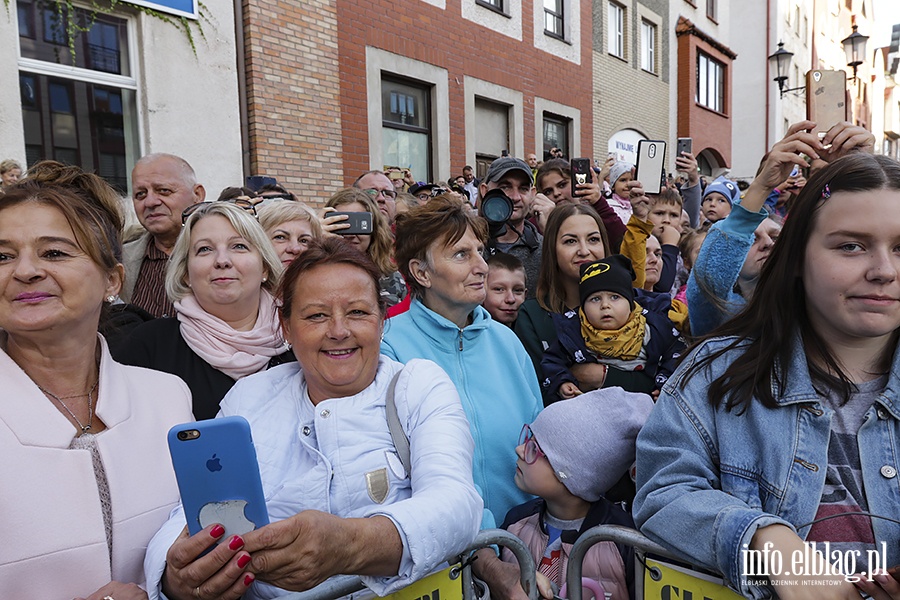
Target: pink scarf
235,353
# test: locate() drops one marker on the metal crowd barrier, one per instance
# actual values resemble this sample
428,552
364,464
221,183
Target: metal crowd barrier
606,533
342,585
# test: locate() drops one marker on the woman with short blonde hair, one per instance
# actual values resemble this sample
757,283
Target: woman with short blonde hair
221,277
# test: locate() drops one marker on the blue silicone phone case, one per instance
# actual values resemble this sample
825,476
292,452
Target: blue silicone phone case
218,476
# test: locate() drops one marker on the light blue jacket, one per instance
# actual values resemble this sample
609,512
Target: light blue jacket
324,456
717,268
497,386
708,479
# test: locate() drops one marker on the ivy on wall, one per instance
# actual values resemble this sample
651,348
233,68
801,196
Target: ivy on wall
72,21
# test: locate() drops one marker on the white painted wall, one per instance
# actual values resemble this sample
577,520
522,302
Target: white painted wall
187,104
751,87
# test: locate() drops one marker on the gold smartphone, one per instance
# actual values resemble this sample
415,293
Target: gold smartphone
826,99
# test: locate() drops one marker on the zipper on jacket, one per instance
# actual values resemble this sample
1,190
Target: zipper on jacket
460,340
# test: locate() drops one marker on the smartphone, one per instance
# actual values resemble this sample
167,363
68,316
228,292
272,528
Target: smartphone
650,168
826,99
360,223
581,173
684,145
254,182
218,475
393,175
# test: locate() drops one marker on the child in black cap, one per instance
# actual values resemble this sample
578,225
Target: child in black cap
638,347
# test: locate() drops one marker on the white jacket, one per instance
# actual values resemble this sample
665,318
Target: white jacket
317,457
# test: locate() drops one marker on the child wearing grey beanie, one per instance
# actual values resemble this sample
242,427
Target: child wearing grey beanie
570,456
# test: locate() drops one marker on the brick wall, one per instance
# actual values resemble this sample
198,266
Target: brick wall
293,94
710,130
440,37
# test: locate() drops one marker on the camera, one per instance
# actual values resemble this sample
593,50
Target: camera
496,208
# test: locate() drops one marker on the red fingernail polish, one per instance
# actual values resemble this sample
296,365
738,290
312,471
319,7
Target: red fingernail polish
243,561
248,579
217,531
236,543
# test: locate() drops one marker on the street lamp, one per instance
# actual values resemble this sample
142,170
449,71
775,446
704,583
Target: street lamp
780,62
855,48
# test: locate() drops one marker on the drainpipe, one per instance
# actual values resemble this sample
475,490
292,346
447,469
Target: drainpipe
766,87
242,86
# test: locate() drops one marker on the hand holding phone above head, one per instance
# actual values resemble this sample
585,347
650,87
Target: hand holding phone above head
640,202
845,138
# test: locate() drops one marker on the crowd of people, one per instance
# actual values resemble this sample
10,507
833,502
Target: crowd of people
714,364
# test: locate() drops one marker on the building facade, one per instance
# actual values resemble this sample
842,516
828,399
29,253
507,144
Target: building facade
631,45
135,86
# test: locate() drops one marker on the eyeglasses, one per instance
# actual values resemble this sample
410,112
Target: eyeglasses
532,450
386,193
243,203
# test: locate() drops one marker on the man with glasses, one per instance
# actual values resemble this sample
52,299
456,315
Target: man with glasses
163,185
380,188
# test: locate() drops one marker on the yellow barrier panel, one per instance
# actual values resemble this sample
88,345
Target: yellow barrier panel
678,583
437,586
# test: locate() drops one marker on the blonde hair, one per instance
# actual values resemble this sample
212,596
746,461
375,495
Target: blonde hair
8,165
246,226
381,248
274,214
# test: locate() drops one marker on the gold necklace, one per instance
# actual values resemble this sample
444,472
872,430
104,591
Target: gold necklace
84,428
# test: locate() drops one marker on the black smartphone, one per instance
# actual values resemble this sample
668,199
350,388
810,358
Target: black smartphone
254,182
581,173
360,223
650,168
684,145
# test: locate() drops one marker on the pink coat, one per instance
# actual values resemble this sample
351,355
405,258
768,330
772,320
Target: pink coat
54,541
602,563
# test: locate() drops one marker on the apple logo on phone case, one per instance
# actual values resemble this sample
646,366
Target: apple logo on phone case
230,514
214,464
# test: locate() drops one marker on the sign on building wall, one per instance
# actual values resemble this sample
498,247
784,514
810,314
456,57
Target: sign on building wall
181,8
624,144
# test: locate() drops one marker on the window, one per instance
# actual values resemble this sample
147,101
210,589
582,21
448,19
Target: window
495,5
556,134
616,42
712,10
553,19
710,83
26,19
797,20
89,117
648,46
406,123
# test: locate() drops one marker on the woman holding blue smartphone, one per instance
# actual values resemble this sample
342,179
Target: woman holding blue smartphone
338,495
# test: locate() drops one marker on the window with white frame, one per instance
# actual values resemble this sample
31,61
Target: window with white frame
710,83
554,19
496,5
406,125
616,30
712,10
86,115
648,46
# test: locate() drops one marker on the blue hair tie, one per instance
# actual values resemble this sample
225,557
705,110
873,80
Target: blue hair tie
826,192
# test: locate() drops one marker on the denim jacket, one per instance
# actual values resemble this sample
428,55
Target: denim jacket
708,479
